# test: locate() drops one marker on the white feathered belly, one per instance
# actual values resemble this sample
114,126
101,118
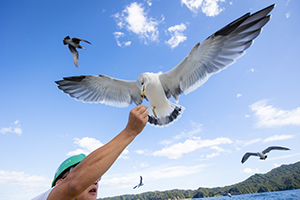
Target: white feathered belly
158,101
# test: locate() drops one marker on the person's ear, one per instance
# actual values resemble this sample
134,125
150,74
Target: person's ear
58,181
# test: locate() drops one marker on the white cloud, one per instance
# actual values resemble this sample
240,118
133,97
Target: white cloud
278,137
176,35
144,165
218,149
139,151
276,165
209,7
196,128
176,150
212,155
249,170
23,180
268,116
117,37
238,95
14,128
287,15
134,19
149,2
87,145
252,141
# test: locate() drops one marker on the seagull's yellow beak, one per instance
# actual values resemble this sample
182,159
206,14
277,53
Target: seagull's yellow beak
143,93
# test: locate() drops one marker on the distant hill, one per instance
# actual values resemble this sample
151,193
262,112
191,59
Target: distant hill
285,177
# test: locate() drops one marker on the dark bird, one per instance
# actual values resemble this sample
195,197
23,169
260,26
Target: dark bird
73,44
262,155
216,53
140,184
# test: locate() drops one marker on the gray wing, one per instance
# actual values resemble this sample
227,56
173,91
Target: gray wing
74,54
101,89
267,150
77,40
141,180
216,53
247,155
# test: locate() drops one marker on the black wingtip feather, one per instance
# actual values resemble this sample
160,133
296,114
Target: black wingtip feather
74,78
232,26
168,119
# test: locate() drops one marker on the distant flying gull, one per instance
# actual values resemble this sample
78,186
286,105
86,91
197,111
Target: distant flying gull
224,193
216,53
262,155
73,44
140,184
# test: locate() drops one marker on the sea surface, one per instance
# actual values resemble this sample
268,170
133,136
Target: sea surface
282,195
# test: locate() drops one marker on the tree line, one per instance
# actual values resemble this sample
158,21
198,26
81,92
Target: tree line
285,177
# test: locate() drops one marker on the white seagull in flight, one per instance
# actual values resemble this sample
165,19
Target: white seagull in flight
262,155
216,53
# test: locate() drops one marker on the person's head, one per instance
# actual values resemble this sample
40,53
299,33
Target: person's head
65,168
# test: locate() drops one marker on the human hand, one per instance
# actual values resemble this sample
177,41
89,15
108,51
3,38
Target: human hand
138,118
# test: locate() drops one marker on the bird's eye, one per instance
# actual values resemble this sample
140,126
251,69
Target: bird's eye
142,83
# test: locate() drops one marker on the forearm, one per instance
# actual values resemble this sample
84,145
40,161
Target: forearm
99,161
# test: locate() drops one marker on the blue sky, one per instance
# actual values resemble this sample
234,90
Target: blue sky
251,105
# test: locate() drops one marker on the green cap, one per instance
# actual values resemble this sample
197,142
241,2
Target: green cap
69,162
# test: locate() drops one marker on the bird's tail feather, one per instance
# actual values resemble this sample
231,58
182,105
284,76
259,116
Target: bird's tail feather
173,114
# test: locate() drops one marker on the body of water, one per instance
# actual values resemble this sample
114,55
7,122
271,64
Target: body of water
282,195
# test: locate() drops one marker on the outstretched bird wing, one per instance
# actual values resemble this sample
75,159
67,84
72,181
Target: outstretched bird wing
77,40
141,180
247,155
74,54
216,53
101,89
267,150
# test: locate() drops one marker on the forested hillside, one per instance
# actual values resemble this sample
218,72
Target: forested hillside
285,177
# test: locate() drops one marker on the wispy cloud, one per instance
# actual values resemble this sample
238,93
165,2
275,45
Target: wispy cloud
119,181
210,8
134,19
21,179
15,127
175,151
176,35
252,141
283,157
118,35
196,128
218,151
270,117
278,137
250,171
238,95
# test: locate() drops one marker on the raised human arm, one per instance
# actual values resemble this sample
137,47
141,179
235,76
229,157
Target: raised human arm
100,160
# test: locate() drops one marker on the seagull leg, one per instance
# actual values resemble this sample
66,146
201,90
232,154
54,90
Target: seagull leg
154,111
143,94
